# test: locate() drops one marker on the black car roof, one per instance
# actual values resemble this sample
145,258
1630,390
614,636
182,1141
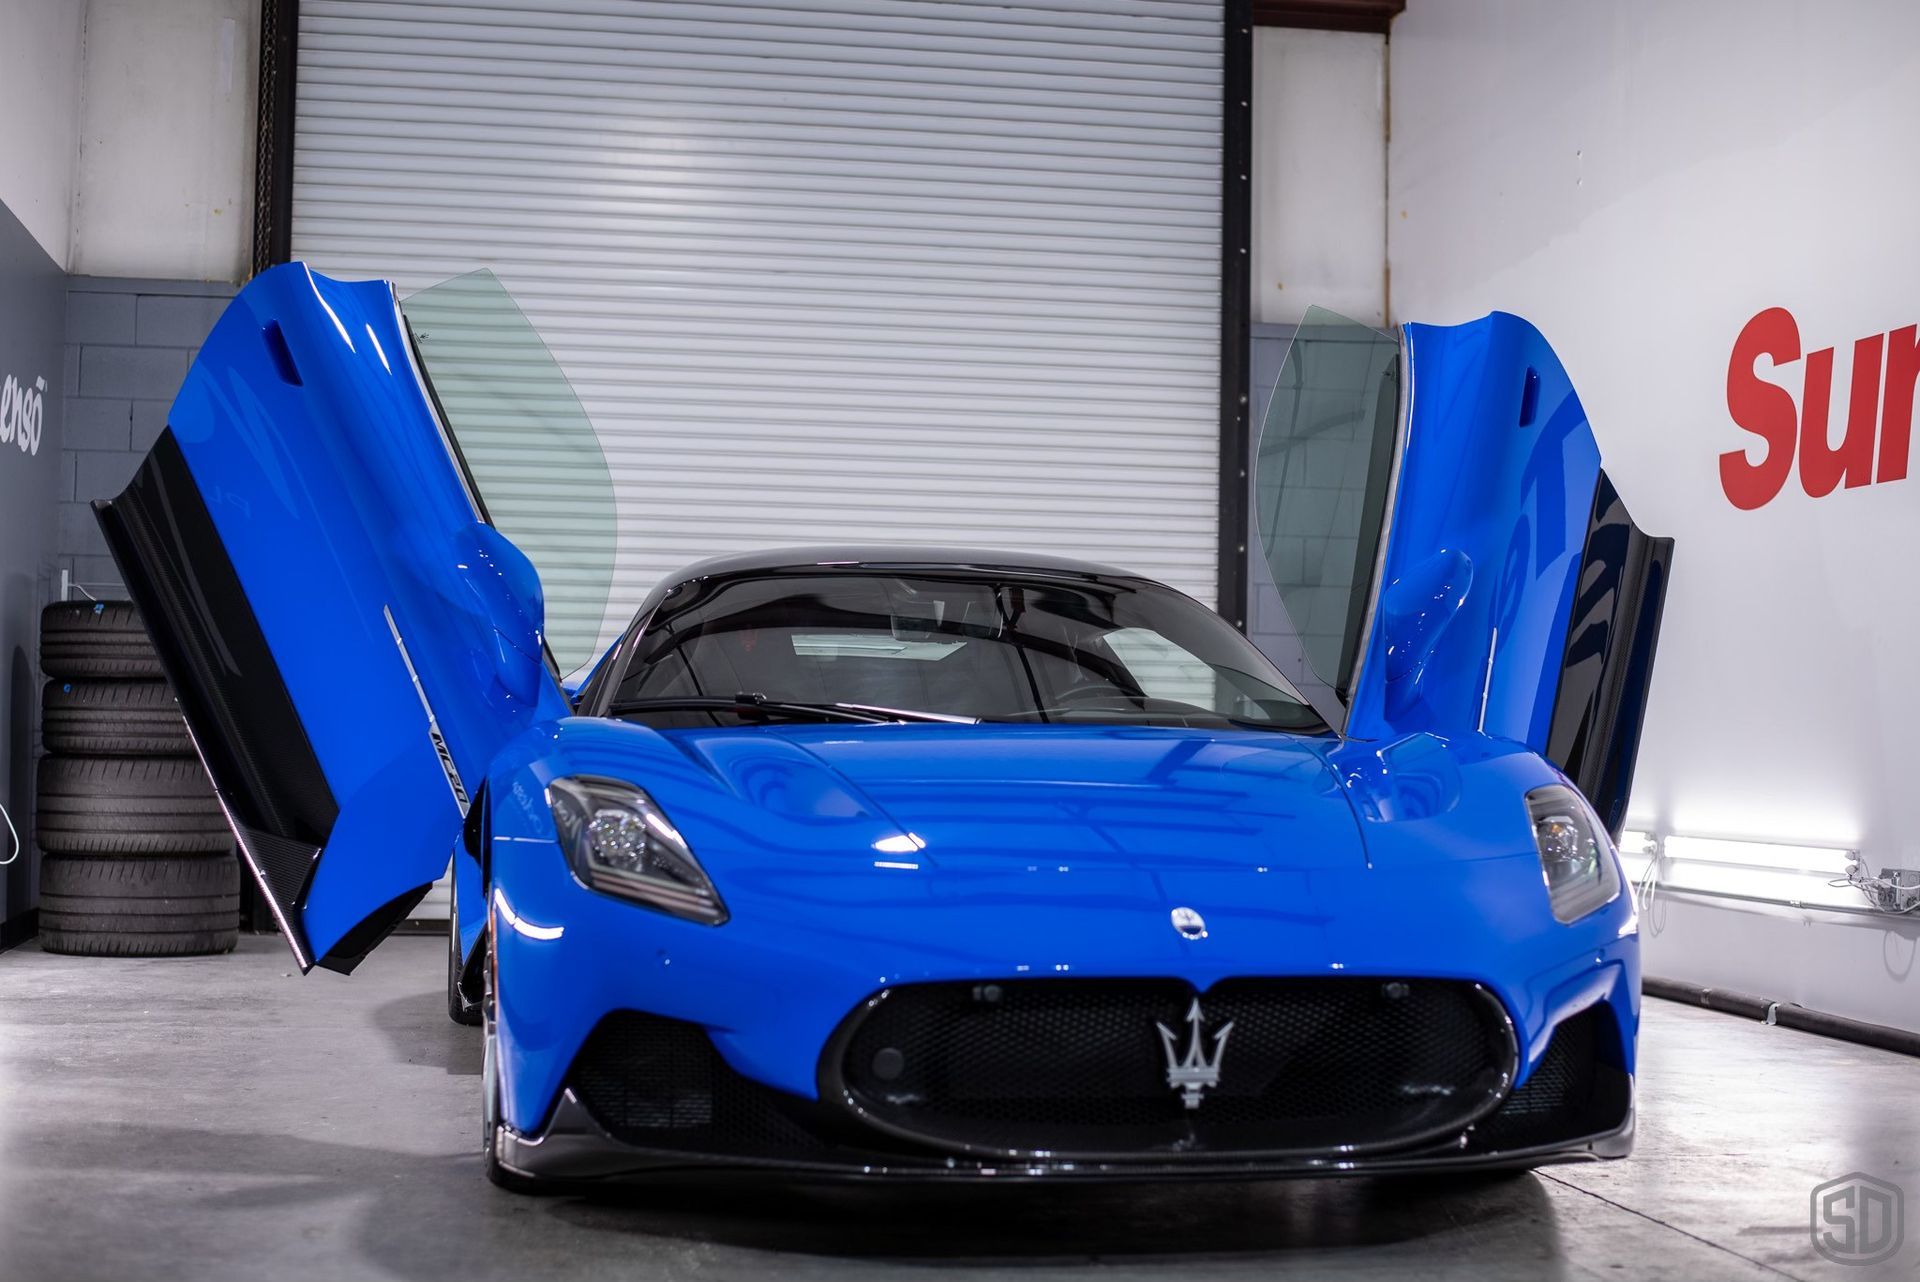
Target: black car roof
893,556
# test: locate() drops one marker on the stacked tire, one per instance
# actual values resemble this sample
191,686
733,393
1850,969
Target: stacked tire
138,860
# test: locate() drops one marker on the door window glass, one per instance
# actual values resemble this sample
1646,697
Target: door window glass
1322,473
527,446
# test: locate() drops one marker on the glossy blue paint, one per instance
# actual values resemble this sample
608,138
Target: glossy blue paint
855,856
1048,850
312,442
1498,470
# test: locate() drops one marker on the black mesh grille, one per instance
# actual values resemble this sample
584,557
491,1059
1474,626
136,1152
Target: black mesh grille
1081,1066
659,1083
1577,1089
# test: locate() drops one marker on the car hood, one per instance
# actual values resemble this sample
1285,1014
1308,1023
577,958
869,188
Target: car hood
931,851
976,796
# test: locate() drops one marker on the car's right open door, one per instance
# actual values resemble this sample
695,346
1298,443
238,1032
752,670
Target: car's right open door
1440,549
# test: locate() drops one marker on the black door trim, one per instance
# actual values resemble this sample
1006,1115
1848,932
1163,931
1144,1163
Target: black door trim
1606,668
234,700
1236,240
273,134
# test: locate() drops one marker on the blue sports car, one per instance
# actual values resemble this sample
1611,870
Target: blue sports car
932,863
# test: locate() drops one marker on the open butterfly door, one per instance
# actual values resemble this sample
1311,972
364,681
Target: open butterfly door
1440,549
351,640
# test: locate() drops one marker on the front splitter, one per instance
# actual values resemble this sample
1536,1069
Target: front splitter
573,1148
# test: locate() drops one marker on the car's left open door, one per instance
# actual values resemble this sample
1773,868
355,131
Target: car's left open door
1438,548
351,641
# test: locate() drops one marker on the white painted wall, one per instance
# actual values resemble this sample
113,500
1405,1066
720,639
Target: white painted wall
39,100
1319,174
1639,179
165,173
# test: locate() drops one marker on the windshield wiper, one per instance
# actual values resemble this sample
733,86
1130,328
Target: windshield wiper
906,714
742,705
1185,715
748,704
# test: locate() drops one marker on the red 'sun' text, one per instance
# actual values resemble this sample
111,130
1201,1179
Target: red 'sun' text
1879,425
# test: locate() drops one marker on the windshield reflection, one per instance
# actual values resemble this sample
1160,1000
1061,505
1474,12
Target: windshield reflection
992,647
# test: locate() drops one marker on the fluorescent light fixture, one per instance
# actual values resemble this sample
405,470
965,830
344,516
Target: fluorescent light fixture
1771,884
1639,851
1769,871
1634,842
904,843
1634,867
1826,861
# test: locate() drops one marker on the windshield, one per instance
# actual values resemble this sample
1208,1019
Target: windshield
990,646
526,445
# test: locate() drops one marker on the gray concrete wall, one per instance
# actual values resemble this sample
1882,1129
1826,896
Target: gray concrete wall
129,343
32,311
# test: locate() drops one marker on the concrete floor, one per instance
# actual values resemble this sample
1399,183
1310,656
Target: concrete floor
225,1118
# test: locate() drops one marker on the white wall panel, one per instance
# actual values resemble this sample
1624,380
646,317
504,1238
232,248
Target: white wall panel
1639,180
1319,174
869,269
164,180
39,110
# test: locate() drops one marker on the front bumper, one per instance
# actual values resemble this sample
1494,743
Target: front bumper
573,1148
673,1106
769,990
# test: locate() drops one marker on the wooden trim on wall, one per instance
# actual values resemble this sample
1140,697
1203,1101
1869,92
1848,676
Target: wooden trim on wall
1370,16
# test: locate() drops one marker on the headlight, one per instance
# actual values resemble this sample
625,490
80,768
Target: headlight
1576,858
621,843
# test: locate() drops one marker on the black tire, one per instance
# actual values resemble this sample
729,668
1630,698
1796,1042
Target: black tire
170,906
113,719
95,639
128,806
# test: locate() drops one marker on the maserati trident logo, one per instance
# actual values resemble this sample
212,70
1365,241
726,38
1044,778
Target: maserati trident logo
1189,923
1193,1073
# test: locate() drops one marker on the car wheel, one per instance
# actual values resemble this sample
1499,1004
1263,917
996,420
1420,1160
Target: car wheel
459,1008
490,1112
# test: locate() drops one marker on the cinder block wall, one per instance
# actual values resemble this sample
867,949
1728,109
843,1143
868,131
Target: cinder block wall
129,343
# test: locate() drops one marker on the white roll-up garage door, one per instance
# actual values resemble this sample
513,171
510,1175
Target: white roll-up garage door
889,270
